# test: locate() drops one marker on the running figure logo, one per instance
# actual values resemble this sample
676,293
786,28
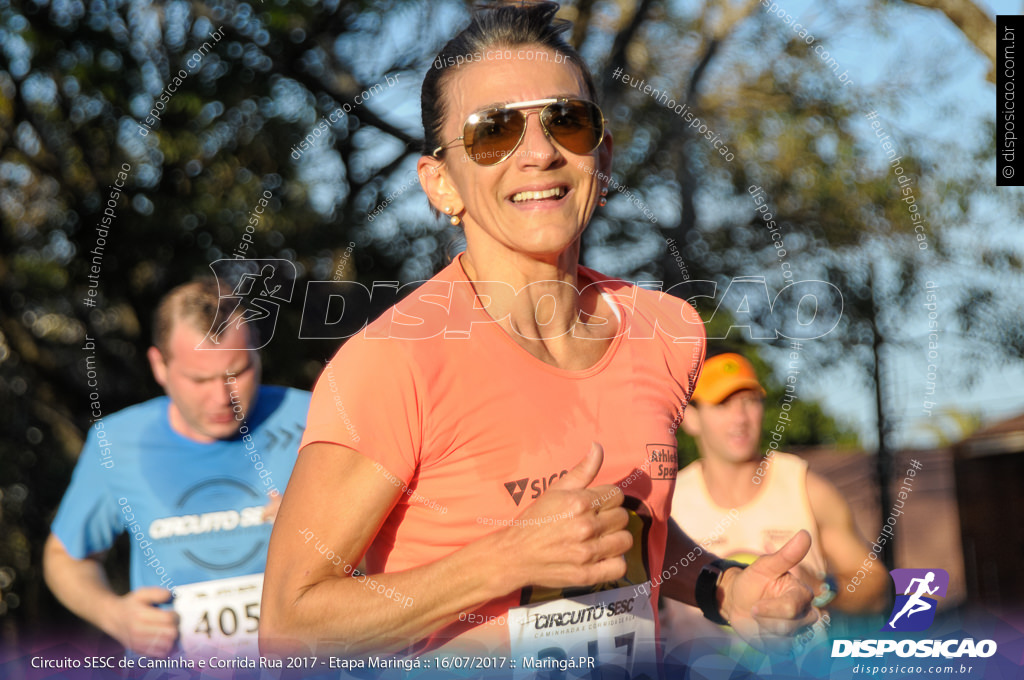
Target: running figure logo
257,289
914,610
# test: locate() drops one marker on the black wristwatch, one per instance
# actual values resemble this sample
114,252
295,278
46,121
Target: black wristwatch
706,592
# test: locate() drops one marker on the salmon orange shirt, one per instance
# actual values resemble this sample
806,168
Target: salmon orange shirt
474,429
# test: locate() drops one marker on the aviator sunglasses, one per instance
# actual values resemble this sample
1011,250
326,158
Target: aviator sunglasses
490,136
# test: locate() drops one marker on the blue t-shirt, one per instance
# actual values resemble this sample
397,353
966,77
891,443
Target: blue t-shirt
194,511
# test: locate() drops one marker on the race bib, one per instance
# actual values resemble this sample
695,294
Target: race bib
220,617
576,635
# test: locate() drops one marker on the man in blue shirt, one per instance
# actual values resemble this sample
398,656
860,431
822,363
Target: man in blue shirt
194,477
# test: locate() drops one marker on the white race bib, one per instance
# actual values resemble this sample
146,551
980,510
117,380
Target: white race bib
220,617
612,627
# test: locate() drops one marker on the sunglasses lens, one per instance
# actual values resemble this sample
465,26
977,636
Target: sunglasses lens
577,125
492,135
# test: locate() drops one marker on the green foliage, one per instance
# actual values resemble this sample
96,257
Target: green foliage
808,424
77,79
77,83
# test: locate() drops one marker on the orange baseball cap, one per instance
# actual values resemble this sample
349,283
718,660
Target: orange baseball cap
722,375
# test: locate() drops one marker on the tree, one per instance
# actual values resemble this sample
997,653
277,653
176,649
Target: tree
806,422
77,84
976,25
817,149
138,144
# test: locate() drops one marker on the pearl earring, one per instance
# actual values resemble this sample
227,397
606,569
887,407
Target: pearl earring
455,219
604,197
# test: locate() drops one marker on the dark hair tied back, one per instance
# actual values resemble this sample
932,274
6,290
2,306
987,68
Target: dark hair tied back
505,25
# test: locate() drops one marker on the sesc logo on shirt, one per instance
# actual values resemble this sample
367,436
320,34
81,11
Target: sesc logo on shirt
518,487
220,522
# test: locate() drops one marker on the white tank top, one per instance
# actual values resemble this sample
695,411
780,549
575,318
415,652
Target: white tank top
779,510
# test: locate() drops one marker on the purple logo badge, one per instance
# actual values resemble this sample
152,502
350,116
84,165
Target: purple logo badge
916,593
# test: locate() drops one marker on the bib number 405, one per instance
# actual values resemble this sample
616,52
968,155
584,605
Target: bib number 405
228,621
221,616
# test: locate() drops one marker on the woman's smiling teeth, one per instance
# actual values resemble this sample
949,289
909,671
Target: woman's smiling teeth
554,192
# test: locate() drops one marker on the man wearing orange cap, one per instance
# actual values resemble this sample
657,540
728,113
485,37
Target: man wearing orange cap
739,505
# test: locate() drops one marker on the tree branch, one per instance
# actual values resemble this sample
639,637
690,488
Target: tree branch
973,22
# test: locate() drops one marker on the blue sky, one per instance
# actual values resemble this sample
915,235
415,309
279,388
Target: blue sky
896,50
912,40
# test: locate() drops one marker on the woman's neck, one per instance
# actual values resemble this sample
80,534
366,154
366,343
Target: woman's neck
540,304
